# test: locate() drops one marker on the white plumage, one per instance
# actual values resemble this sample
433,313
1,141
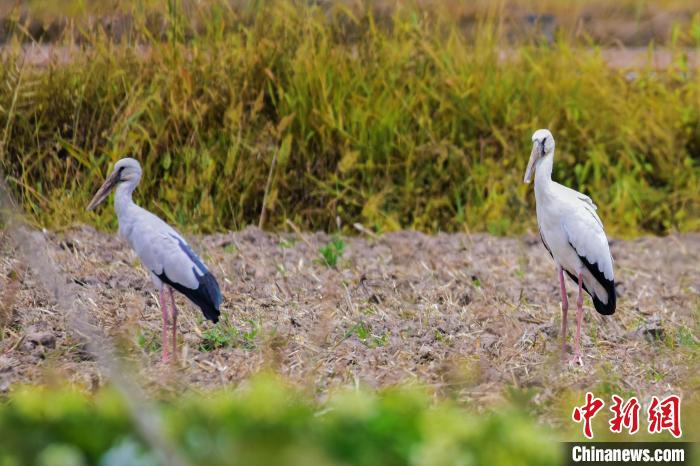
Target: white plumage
572,232
158,246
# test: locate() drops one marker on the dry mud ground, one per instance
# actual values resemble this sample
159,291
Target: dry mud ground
468,316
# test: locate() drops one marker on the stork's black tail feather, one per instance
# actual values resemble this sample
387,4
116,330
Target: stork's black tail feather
605,309
207,295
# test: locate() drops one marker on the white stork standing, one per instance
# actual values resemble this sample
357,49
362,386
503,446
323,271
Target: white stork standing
573,234
162,250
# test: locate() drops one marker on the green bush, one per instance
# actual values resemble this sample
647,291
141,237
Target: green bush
403,122
268,424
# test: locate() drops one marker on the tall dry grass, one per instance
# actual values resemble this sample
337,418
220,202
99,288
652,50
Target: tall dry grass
402,120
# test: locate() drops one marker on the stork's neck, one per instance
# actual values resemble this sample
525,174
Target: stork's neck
543,173
122,198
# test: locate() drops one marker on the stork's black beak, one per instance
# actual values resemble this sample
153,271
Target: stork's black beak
104,190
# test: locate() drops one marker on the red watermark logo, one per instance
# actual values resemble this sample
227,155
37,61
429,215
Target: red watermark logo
587,412
626,415
665,415
662,415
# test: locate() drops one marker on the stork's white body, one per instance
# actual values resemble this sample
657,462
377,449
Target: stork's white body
154,242
572,232
571,229
162,250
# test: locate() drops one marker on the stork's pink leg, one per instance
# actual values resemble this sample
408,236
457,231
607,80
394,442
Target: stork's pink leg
164,311
579,317
173,311
564,311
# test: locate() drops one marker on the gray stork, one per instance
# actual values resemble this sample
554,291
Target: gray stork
162,250
572,232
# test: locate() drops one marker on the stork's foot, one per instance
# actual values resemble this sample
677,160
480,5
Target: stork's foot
169,357
572,359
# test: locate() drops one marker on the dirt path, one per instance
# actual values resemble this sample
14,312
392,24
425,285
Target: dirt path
618,57
465,315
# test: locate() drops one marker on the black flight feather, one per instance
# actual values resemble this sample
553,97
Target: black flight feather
605,309
207,295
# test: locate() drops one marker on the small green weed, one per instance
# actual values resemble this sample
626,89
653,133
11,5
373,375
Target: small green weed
149,341
366,337
216,337
286,243
655,376
368,310
226,334
331,252
439,335
685,337
250,337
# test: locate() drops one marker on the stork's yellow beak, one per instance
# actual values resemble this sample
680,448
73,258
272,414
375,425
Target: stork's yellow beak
104,190
534,155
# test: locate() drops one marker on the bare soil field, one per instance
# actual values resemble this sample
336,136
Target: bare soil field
468,316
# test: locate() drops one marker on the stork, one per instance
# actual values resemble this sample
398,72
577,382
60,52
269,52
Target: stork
162,250
572,232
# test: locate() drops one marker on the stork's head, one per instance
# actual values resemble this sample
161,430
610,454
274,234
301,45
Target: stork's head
127,170
542,146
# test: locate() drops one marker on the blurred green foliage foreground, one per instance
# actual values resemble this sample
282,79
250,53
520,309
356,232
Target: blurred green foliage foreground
323,113
268,424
